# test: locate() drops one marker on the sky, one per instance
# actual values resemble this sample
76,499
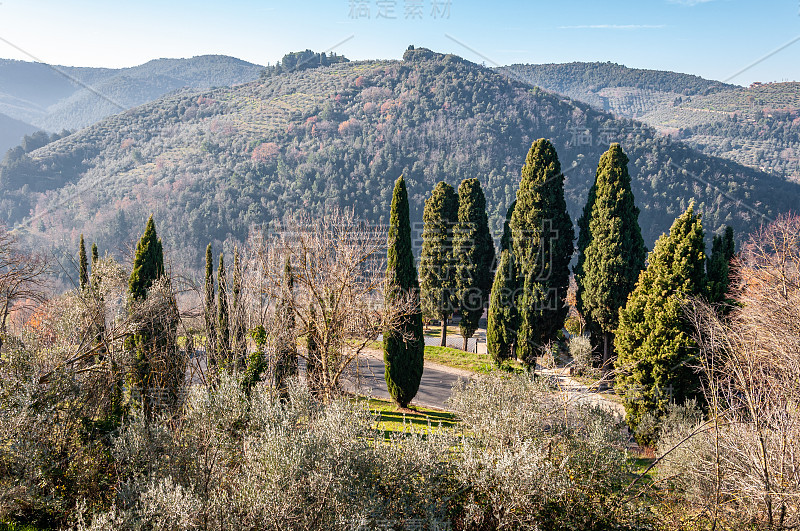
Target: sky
739,41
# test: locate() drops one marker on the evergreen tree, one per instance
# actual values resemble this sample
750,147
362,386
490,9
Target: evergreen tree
238,339
723,248
502,319
584,238
286,349
155,340
474,252
404,349
436,268
223,316
615,253
542,235
210,308
95,255
83,265
655,350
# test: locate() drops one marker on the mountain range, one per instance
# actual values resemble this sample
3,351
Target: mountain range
212,163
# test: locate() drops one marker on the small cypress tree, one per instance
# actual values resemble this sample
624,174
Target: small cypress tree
403,350
223,315
286,350
542,235
210,308
615,253
257,363
95,254
723,248
502,319
155,337
436,266
655,349
238,339
474,251
84,266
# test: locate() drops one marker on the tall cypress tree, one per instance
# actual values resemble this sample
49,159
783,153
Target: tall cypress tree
474,252
238,339
286,350
223,316
542,235
502,319
655,349
436,266
404,349
723,247
84,266
615,253
153,337
210,308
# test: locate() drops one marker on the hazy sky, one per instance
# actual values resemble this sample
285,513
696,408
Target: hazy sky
712,38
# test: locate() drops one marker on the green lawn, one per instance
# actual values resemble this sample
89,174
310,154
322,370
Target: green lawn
460,359
390,419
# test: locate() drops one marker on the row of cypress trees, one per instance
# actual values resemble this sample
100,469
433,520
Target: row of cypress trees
224,312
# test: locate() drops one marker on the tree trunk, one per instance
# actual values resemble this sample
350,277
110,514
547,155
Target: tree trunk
605,351
465,343
444,332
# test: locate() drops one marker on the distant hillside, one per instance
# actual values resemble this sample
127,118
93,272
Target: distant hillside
59,97
211,164
12,131
756,126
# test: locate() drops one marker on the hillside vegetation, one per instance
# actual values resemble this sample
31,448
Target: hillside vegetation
755,126
211,164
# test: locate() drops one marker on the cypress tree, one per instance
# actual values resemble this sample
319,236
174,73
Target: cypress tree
584,238
502,319
223,316
154,337
286,350
210,308
615,253
403,349
238,339
542,235
723,247
655,350
436,269
474,251
84,266
95,254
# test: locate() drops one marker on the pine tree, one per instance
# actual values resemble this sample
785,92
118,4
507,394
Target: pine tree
502,319
238,339
223,316
615,253
437,268
474,252
404,349
84,266
542,236
723,248
655,350
210,307
286,350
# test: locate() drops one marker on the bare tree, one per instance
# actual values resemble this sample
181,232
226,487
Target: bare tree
751,464
21,279
339,266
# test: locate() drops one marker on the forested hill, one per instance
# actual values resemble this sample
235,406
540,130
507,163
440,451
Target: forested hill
758,126
54,98
212,164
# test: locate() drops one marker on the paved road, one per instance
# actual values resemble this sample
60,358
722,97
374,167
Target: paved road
434,389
